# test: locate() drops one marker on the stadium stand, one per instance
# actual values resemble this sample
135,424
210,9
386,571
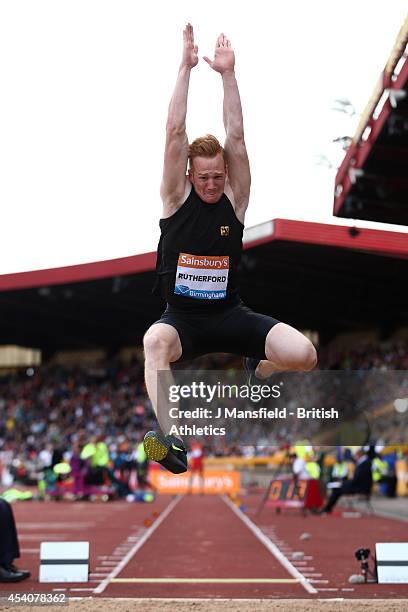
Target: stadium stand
47,412
325,278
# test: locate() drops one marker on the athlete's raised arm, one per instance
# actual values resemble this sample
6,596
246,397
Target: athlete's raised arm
239,175
173,184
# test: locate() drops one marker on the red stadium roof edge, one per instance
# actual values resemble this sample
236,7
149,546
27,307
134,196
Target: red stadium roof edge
383,242
392,80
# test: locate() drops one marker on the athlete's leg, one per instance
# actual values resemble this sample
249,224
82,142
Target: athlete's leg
162,346
270,345
286,349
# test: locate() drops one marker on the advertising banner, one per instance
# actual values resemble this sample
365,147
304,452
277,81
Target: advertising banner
215,482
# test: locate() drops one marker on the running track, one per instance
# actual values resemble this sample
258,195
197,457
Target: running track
203,546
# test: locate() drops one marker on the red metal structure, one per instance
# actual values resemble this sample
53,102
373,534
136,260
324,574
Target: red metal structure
372,181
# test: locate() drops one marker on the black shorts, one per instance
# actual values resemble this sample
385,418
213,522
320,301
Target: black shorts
236,329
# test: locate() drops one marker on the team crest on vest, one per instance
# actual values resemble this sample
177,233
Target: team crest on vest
224,230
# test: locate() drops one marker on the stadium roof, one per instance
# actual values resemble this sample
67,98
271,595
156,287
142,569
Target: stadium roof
372,181
315,276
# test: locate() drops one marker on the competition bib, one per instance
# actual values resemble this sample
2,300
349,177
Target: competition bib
203,277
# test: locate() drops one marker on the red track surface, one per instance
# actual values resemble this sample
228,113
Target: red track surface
202,537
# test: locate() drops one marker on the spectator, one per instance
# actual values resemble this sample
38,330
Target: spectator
361,483
9,548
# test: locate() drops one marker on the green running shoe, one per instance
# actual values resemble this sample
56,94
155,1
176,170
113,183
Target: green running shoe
169,451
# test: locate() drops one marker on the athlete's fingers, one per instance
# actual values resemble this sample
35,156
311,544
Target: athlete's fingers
195,49
207,59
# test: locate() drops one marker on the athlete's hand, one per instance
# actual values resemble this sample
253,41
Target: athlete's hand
190,50
224,58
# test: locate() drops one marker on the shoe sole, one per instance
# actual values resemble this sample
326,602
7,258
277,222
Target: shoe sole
155,446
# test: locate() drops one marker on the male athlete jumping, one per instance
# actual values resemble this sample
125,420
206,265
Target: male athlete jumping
199,251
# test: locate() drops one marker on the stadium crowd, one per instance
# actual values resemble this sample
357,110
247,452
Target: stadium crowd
52,412
381,356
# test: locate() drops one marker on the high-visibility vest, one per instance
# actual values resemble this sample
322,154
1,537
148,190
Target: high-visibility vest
379,468
15,494
88,451
303,449
98,454
140,453
340,470
101,456
313,469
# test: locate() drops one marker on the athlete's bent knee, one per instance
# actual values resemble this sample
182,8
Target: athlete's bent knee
307,357
156,345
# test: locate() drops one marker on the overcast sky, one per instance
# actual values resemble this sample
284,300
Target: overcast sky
85,87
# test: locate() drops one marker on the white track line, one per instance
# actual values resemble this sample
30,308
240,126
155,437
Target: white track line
29,551
109,563
205,600
42,537
328,589
119,567
80,590
296,562
205,580
271,547
57,526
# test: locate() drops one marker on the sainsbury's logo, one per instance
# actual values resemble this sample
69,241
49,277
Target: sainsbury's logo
204,261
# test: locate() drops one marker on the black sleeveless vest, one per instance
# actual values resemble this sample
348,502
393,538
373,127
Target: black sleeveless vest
198,255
